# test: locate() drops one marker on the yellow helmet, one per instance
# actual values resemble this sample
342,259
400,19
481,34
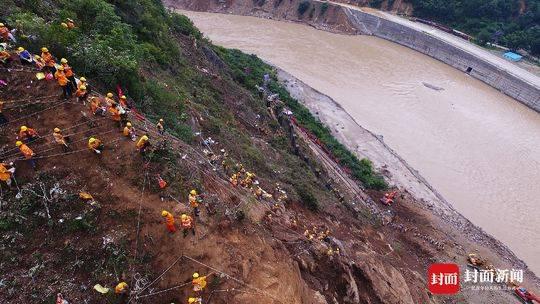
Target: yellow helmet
44,50
63,60
92,140
110,95
161,120
18,143
37,57
195,275
82,79
56,130
193,192
20,49
83,87
123,97
164,213
128,124
192,300
1,24
144,137
61,68
24,128
64,24
183,216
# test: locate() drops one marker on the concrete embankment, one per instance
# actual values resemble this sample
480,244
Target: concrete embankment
341,18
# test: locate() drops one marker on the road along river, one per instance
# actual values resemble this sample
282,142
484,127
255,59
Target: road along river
479,148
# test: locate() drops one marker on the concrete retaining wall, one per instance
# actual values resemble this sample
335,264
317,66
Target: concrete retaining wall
513,86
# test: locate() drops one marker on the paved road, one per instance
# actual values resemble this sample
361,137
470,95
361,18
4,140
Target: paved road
455,41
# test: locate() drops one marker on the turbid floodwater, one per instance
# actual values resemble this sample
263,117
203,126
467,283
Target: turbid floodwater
479,148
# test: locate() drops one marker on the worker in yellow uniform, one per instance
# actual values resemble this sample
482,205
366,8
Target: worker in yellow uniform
198,282
48,59
186,222
169,221
160,126
60,139
68,70
63,81
27,152
6,173
194,200
95,145
129,131
27,134
143,144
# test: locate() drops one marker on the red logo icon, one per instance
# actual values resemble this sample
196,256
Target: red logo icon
443,279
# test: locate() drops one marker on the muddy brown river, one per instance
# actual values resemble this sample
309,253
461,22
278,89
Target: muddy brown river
479,148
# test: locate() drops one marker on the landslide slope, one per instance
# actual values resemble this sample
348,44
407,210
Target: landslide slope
254,250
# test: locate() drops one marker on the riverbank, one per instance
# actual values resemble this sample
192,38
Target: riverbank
428,203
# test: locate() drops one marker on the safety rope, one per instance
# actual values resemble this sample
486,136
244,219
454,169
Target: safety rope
32,114
29,98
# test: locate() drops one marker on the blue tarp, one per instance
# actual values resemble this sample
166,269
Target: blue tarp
512,56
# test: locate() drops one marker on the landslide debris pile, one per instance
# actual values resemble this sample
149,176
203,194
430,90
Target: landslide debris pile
270,226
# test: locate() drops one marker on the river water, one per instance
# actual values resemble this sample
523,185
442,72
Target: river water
479,148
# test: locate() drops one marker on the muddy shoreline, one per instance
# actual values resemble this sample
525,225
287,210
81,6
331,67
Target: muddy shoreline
400,174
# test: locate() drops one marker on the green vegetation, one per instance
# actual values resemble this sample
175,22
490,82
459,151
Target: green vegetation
303,7
513,23
239,63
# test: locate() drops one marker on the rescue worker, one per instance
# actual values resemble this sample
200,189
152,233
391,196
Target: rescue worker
5,34
160,127
169,221
143,144
82,82
70,23
121,288
48,59
40,63
96,107
129,131
109,100
6,173
27,152
234,179
69,73
194,199
115,114
187,224
95,145
27,135
5,56
123,101
24,56
63,81
198,282
81,94
3,119
60,139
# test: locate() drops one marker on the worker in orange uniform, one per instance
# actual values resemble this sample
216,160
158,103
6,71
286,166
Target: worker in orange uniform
95,145
63,81
81,94
49,60
129,131
109,100
123,101
187,224
5,34
60,139
5,56
69,73
169,221
96,108
6,173
121,288
27,152
160,126
27,134
198,282
115,114
70,23
194,200
39,62
143,144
